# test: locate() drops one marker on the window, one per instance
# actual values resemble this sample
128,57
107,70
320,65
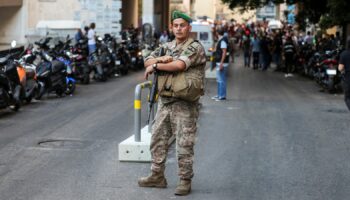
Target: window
203,36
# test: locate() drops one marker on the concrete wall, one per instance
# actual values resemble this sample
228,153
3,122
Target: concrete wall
215,8
50,10
11,25
205,7
21,21
5,3
128,7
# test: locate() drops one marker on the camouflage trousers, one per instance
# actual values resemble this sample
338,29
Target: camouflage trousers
179,118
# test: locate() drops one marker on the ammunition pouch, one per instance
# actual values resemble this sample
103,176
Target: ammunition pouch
185,85
180,85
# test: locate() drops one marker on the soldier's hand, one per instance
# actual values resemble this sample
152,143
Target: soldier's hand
149,70
164,59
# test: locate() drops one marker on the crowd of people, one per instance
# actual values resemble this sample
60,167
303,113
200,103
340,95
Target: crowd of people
262,45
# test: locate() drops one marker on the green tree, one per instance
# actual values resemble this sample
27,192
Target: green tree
338,14
327,12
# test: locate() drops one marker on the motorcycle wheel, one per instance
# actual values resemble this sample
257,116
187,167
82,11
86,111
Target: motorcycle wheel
59,92
140,64
331,88
70,88
86,79
40,92
15,107
103,78
29,99
124,70
17,99
18,96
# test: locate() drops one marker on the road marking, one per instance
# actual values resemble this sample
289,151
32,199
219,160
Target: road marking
233,108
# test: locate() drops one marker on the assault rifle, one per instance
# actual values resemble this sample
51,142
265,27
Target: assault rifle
153,96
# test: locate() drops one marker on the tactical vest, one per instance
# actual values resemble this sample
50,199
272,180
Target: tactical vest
218,51
187,85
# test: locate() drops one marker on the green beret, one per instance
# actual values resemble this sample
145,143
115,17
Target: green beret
177,14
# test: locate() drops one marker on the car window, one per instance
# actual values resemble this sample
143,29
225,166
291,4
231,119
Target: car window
203,36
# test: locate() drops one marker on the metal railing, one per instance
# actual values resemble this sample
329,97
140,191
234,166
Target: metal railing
138,106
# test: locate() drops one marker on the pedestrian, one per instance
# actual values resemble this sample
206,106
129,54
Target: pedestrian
289,51
92,38
265,52
164,37
256,51
78,35
277,50
247,50
338,39
308,39
344,68
222,59
183,63
86,30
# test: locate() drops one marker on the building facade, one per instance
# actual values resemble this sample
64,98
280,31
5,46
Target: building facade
22,20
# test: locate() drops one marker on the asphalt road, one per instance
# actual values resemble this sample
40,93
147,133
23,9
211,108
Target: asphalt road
274,138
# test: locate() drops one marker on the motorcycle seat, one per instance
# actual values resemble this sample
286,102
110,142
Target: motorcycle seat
4,60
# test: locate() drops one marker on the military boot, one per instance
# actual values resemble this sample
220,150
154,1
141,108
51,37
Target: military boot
183,187
156,179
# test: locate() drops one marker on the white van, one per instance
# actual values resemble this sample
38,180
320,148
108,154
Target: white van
203,33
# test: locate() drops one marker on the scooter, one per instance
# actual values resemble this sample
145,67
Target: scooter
51,74
135,54
26,72
78,55
122,60
10,86
330,79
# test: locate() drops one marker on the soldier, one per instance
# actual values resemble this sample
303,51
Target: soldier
180,85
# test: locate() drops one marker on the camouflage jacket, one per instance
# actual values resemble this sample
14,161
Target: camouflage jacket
192,53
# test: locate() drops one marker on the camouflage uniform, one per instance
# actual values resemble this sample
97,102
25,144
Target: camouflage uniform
176,116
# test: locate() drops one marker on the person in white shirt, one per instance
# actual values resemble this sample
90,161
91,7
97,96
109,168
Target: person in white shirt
164,37
308,39
91,38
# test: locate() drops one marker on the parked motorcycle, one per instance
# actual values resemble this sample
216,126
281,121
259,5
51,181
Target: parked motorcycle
135,55
123,61
96,66
105,57
26,72
51,75
302,67
10,85
79,55
330,76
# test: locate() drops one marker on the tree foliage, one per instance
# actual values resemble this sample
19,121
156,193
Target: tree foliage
327,12
338,13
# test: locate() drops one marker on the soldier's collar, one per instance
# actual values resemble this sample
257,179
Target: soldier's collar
187,41
182,43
